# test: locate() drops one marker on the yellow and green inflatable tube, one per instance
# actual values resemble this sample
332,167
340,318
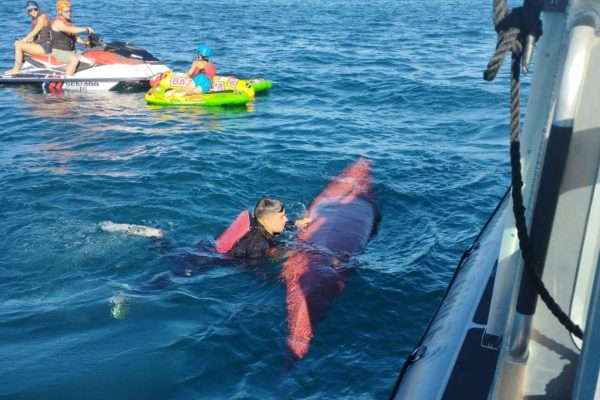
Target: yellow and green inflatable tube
260,85
221,83
158,96
251,86
225,90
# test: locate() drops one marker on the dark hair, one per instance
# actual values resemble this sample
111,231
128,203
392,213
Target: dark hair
266,206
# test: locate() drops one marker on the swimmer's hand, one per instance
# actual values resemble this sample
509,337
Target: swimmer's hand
303,222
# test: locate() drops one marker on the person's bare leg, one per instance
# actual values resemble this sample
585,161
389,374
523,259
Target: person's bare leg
18,59
72,66
20,48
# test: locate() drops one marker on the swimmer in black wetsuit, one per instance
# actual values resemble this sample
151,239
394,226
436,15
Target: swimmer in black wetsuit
266,223
252,248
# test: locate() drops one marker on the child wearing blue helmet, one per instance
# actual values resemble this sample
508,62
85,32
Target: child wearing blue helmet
202,70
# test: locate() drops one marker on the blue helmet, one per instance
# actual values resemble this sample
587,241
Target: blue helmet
204,51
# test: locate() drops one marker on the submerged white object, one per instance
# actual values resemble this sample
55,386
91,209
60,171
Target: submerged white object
130,229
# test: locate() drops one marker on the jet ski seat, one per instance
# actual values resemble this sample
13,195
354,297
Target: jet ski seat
50,62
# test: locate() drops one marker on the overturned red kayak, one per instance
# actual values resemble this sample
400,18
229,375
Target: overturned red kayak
344,218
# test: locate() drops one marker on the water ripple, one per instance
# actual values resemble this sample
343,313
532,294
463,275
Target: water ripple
396,81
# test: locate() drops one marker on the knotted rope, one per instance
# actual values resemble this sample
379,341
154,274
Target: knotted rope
519,28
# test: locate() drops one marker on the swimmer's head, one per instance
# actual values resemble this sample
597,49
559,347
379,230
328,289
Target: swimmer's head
271,215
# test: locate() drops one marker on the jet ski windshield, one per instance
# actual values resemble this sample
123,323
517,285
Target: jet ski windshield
130,51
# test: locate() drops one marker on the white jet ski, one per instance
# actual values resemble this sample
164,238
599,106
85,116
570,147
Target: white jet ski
103,67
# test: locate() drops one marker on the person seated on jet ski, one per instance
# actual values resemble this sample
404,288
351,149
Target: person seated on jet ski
37,41
266,223
65,35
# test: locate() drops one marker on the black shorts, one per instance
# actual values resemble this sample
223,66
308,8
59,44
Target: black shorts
47,47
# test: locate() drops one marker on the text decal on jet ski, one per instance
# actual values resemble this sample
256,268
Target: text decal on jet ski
81,86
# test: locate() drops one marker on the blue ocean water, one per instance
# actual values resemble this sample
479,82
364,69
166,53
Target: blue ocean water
396,81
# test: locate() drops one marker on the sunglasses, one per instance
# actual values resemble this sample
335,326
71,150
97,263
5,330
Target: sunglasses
66,10
32,9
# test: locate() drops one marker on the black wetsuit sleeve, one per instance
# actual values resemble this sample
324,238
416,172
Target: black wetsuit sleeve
252,245
290,225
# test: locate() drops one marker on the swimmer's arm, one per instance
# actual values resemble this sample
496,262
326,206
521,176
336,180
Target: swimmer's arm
302,222
299,223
